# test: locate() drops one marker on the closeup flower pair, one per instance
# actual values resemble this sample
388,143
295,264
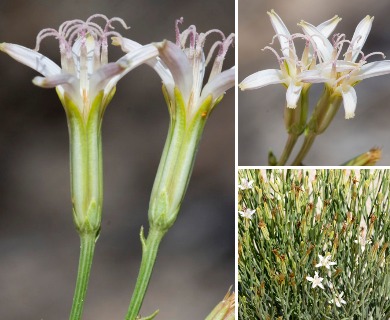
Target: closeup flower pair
322,61
85,70
86,82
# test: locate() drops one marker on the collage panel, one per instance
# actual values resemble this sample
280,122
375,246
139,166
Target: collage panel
238,175
114,201
313,244
313,81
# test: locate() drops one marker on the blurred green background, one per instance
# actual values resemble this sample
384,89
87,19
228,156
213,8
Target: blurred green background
38,244
260,112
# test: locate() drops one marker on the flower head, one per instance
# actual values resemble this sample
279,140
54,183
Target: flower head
341,75
84,70
247,213
187,62
316,281
325,262
338,300
182,65
291,66
246,184
190,99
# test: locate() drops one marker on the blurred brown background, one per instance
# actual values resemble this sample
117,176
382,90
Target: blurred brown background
260,116
38,244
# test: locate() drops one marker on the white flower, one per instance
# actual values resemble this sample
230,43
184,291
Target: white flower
247,213
190,99
290,65
338,300
342,75
246,184
183,66
316,281
84,70
325,262
362,239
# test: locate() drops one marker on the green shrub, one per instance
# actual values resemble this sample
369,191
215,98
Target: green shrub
305,220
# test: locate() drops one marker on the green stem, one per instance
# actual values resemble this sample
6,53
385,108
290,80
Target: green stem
295,123
87,249
291,140
307,143
149,254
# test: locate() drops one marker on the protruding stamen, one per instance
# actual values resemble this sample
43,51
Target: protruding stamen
217,44
67,24
337,37
346,76
218,62
49,32
364,58
280,60
279,35
191,33
350,51
338,47
177,30
215,31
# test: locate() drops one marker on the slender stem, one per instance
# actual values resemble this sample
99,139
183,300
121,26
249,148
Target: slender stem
307,143
149,254
291,140
87,247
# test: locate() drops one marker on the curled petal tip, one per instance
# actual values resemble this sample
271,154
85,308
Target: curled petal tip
161,45
336,18
38,81
123,63
272,12
116,41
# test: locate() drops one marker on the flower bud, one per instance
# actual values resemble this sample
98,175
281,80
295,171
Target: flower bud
225,309
369,158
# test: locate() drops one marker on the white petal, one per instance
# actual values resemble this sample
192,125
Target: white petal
101,77
130,61
31,58
128,45
54,81
292,95
341,66
89,43
261,79
219,84
321,43
177,62
309,278
313,76
63,82
282,32
327,27
349,100
137,57
360,36
374,69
